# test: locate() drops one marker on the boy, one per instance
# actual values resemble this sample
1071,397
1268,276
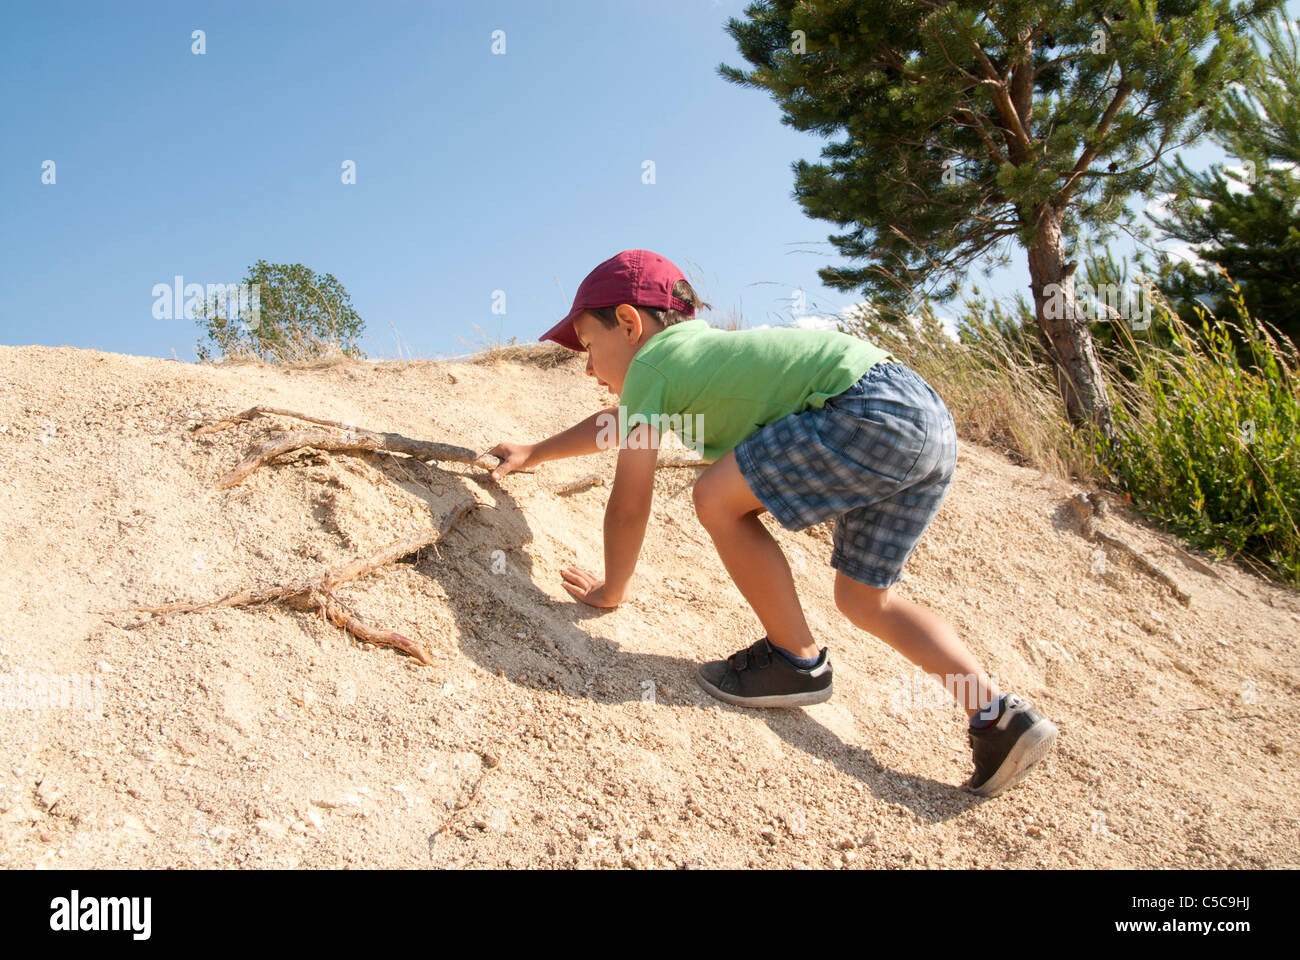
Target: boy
808,424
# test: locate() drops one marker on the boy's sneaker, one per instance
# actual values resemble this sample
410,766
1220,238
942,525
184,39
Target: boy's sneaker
1007,750
761,677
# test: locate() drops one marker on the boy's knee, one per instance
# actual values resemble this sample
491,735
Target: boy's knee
706,504
721,497
857,600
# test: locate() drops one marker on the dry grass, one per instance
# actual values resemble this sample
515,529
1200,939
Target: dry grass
305,352
297,351
545,355
491,349
1000,393
731,320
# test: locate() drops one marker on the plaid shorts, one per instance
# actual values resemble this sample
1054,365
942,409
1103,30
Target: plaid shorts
879,458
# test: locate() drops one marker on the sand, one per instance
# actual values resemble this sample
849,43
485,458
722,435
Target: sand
548,733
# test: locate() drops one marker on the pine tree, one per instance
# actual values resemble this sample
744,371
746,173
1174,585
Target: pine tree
969,125
1245,221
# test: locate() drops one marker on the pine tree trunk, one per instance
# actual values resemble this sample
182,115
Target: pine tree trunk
1068,340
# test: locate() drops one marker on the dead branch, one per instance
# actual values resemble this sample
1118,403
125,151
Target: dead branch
591,480
387,442
252,413
355,440
681,462
1156,713
316,593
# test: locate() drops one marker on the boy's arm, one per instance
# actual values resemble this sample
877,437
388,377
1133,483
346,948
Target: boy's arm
577,441
628,509
626,515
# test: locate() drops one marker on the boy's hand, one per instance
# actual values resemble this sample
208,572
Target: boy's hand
589,588
626,514
513,456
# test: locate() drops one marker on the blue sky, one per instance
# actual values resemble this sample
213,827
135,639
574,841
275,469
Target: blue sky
475,172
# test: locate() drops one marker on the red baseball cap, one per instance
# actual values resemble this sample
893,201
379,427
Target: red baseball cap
638,277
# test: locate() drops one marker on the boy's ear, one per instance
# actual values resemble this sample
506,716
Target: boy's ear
631,319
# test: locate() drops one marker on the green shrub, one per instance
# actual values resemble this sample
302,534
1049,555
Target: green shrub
1208,442
1207,435
300,317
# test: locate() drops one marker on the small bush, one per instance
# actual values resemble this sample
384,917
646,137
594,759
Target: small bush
1206,442
299,317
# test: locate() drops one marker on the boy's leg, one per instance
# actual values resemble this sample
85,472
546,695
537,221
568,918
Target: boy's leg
729,511
919,634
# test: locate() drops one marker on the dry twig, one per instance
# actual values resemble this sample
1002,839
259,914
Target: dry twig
491,761
591,480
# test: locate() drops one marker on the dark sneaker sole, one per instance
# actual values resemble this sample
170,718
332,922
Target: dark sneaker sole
781,700
1033,745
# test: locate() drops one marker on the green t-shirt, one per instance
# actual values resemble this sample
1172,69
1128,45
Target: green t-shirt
725,384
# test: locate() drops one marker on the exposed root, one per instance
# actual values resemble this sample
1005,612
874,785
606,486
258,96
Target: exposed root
358,440
341,617
1087,512
316,593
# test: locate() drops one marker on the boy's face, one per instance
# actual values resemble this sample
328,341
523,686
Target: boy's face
610,349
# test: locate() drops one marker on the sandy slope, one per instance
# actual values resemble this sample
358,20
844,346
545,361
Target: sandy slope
261,736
